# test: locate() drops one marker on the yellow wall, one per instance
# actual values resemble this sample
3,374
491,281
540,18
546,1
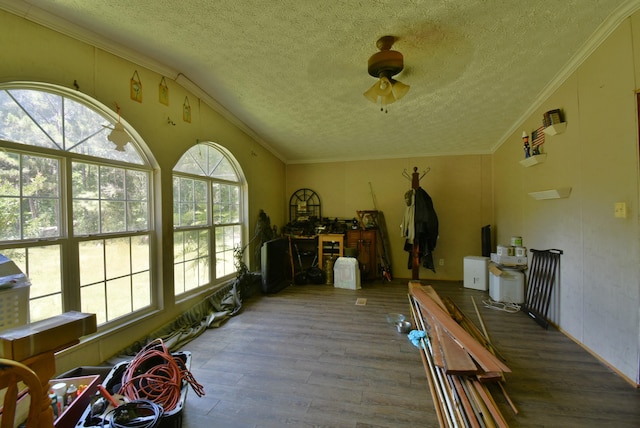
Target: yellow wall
31,52
460,187
599,294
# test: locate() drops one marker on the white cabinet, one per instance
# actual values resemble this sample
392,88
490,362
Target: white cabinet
476,272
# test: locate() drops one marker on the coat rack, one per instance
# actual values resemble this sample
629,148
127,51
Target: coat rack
415,178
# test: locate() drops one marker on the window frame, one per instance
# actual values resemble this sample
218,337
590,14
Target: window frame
67,239
211,225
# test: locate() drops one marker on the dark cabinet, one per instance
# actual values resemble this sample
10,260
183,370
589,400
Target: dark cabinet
365,242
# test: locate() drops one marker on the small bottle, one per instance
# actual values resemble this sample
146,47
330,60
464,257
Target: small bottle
54,404
72,393
59,389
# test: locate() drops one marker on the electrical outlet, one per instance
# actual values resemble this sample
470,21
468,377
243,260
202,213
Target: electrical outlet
441,262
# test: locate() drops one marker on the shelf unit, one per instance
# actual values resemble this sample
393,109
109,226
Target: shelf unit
559,193
556,128
533,160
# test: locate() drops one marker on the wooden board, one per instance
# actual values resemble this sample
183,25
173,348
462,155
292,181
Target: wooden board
487,361
456,360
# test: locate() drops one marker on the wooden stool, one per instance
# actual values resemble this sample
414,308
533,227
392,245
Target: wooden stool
333,238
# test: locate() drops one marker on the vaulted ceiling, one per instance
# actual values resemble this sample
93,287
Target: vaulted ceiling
292,73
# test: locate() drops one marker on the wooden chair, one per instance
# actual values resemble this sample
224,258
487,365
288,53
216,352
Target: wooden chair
11,374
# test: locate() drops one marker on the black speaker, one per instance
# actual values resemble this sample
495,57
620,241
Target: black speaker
486,241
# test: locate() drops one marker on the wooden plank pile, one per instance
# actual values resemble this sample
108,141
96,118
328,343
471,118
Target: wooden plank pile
459,362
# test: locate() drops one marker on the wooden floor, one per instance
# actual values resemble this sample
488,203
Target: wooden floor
308,356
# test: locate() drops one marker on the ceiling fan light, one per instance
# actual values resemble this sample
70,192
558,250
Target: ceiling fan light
382,88
399,89
372,93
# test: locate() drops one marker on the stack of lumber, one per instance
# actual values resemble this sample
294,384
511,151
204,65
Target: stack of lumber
459,362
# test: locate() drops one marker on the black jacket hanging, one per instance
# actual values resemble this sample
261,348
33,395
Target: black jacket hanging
426,227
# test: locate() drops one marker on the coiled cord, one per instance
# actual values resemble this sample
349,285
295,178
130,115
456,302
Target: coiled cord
135,414
511,308
156,375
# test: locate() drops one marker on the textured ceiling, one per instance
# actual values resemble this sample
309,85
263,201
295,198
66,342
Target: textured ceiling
293,71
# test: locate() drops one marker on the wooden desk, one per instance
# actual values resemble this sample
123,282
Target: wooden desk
325,239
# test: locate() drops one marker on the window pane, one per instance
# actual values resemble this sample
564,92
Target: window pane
141,297
42,265
45,307
117,257
178,247
191,275
9,173
91,262
137,216
40,176
224,171
191,260
226,203
86,217
34,117
44,270
227,239
178,279
40,218
85,180
137,185
140,253
113,217
119,297
112,183
100,146
93,300
9,218
9,195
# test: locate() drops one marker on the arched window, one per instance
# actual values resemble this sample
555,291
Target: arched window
207,216
75,209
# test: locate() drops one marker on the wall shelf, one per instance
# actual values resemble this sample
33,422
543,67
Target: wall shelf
556,128
533,160
559,193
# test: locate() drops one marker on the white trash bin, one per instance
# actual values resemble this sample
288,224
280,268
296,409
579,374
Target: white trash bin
346,273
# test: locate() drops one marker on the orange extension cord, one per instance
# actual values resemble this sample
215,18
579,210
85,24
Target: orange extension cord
160,383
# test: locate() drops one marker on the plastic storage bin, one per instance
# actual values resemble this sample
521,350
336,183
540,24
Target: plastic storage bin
476,272
508,287
346,273
113,381
14,295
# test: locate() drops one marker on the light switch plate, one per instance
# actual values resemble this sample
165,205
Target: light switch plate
620,210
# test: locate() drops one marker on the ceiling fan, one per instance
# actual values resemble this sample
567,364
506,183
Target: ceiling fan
384,65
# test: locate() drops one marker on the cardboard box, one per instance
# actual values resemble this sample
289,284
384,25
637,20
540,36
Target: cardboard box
52,334
508,260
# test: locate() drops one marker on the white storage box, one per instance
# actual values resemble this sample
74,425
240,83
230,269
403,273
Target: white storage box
476,272
508,287
508,260
14,295
346,273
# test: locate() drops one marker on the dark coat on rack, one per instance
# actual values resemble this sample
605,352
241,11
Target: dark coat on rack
426,228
